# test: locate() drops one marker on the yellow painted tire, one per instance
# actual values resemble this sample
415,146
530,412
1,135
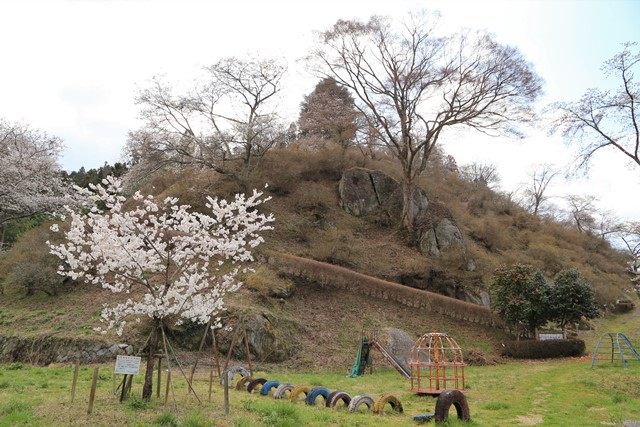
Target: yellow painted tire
242,383
297,391
385,399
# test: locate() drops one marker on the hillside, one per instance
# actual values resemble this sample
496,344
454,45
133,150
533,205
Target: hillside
496,231
310,223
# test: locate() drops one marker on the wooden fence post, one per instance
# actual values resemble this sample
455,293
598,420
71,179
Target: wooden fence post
74,381
226,393
92,394
166,393
158,388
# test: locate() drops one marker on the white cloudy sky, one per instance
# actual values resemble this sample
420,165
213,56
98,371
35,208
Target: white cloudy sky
73,67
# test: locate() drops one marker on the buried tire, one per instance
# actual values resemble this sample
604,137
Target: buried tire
255,383
448,398
359,400
242,383
378,407
315,392
282,390
336,397
266,387
297,391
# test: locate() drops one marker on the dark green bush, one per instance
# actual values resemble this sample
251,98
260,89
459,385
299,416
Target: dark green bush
520,296
532,349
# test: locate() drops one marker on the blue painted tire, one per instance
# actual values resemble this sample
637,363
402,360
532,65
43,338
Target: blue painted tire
315,392
266,387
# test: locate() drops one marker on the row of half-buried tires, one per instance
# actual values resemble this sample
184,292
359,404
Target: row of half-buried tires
311,395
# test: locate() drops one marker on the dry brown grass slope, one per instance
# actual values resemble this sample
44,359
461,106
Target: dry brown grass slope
310,224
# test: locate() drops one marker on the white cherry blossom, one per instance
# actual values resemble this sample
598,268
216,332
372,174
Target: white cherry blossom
160,259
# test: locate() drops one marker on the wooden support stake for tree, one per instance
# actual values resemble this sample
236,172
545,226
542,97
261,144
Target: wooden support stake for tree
231,347
158,387
74,381
92,394
182,371
195,364
210,383
166,353
215,352
166,392
246,352
226,393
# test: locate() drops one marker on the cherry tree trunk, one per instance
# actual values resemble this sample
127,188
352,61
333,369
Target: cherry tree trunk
152,349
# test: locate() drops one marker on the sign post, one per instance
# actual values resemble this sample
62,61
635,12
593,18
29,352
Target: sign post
128,366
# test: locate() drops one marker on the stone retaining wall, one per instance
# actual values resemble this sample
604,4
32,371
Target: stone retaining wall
44,350
332,276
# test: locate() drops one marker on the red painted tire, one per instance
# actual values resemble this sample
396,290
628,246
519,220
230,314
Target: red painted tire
253,384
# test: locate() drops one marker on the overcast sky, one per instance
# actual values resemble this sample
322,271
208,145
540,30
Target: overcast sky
73,67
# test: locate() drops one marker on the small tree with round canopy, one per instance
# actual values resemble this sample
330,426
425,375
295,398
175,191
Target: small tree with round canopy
571,298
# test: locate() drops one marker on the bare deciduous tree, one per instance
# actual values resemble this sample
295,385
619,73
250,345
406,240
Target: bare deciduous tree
629,233
607,225
582,211
485,174
229,117
602,119
535,193
411,85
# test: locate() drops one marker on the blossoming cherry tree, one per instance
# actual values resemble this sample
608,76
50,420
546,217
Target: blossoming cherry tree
162,261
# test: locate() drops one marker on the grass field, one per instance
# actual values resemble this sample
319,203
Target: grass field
554,393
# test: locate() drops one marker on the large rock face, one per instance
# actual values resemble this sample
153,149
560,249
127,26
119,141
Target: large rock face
365,192
264,343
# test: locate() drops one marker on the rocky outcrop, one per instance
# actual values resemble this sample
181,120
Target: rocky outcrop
265,343
50,349
364,192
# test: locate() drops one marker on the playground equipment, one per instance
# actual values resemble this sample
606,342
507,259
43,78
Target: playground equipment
436,363
364,360
620,348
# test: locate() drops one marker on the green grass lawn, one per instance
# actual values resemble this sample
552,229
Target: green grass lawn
553,393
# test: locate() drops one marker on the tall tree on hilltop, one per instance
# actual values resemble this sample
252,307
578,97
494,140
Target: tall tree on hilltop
329,114
411,84
228,118
535,193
